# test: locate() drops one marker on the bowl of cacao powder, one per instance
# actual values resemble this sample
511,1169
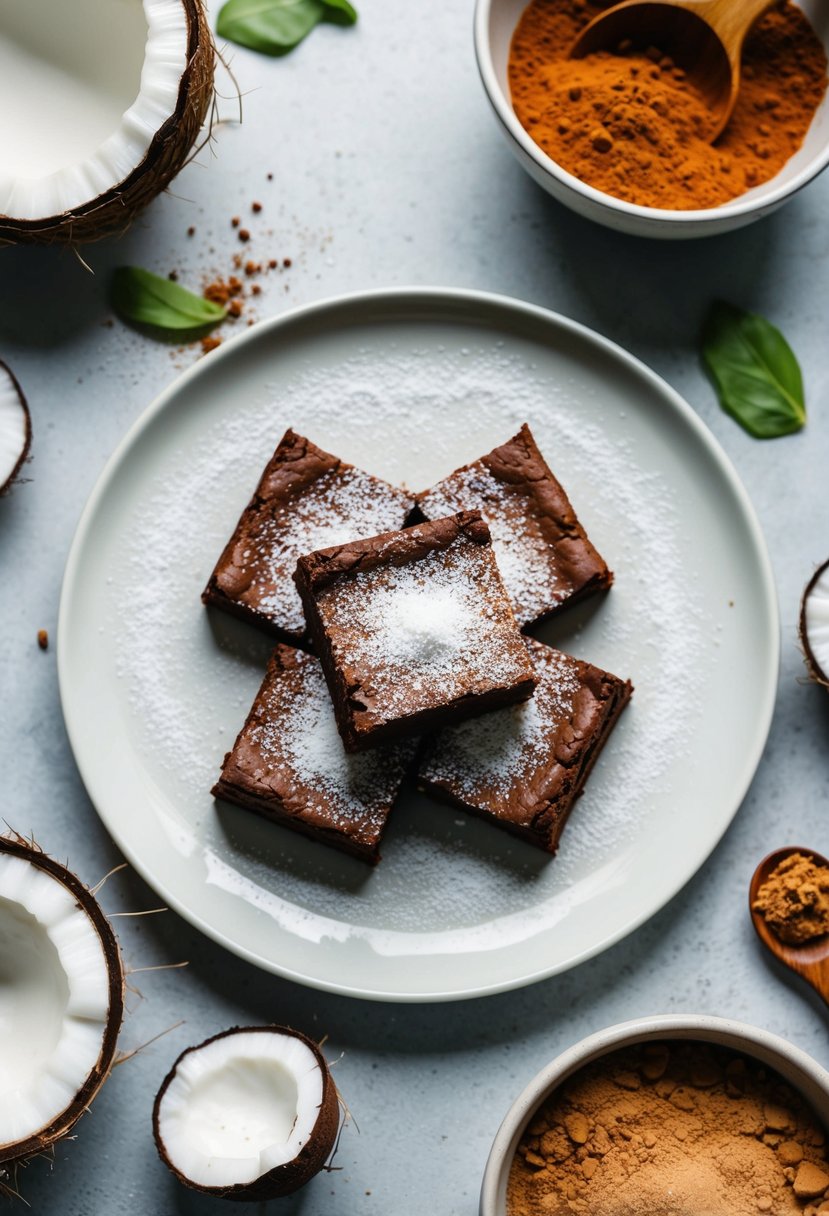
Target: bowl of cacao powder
666,1116
620,137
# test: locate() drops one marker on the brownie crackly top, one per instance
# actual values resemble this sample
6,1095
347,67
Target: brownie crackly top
543,552
306,499
413,625
524,766
289,763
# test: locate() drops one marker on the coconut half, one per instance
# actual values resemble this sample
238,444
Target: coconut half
250,1114
814,625
100,104
61,1002
15,428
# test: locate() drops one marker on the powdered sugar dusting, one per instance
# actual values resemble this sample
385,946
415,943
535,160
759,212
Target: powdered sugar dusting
522,553
297,738
497,752
424,633
341,505
411,411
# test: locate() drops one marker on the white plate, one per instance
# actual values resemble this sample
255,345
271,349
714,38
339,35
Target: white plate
409,384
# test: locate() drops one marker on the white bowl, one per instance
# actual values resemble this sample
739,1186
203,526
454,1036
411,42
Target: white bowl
495,22
800,1070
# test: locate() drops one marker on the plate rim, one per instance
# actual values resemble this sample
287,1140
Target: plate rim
401,298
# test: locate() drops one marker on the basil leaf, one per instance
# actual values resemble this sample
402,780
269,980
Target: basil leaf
275,27
344,13
142,298
755,372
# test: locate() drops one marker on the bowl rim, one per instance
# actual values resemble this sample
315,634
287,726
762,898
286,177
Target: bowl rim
772,1050
741,206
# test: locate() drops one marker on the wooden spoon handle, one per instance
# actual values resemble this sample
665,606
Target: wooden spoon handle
732,19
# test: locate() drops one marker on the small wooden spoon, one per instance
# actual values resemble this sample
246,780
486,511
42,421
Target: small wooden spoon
810,960
703,37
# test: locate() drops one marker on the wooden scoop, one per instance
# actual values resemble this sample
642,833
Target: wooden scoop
810,960
703,37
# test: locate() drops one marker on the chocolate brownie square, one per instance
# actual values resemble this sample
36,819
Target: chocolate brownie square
306,499
414,629
524,767
543,553
289,764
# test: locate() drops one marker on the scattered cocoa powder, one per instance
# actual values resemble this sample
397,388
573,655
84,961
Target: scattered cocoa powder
671,1129
794,899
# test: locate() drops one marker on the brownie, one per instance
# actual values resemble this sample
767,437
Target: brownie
545,558
524,767
414,629
306,499
289,764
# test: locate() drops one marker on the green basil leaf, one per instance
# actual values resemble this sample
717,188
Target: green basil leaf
273,27
340,11
143,298
755,372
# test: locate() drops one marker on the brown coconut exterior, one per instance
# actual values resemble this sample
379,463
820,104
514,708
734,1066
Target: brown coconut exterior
10,480
815,670
284,1179
12,1155
112,212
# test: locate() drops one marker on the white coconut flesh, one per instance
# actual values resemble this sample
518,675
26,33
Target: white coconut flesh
816,621
54,999
84,87
239,1106
14,427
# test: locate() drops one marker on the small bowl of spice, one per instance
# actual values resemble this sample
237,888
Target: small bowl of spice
664,1117
620,135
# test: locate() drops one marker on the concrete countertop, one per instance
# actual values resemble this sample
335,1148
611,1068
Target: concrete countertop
388,169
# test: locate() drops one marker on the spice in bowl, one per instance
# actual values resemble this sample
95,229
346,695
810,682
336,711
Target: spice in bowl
670,1128
794,899
632,124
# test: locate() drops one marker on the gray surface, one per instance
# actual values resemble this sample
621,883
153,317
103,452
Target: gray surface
388,169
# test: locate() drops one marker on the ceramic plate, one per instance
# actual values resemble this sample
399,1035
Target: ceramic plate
410,384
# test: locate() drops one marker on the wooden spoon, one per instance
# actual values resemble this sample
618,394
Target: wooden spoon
703,37
810,960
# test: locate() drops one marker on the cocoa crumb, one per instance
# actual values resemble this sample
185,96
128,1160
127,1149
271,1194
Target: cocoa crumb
256,290
236,221
173,276
244,235
209,343
287,263
235,307
270,177
43,639
252,268
191,231
256,208
272,264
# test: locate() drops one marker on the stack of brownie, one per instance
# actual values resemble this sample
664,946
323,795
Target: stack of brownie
399,621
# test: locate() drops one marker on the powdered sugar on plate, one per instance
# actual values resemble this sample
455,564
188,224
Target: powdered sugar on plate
410,411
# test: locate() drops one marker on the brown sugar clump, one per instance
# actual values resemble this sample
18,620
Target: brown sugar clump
701,1138
794,899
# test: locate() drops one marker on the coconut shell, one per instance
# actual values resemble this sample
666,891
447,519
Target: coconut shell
27,443
284,1179
815,670
112,212
19,1153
